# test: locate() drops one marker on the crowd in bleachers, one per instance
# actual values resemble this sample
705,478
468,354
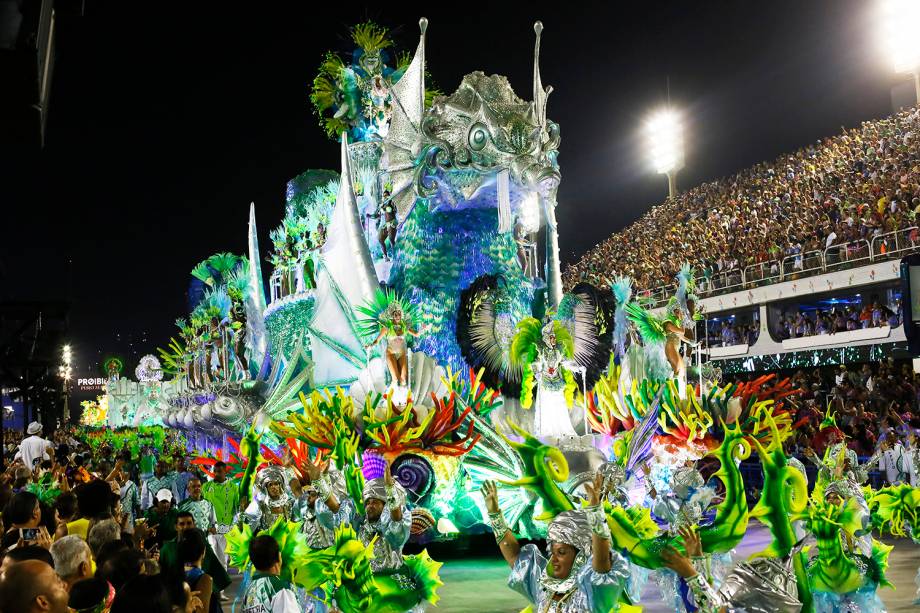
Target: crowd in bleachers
871,403
839,319
860,184
728,332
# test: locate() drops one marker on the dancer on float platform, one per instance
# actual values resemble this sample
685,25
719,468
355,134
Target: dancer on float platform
386,225
545,353
582,573
388,316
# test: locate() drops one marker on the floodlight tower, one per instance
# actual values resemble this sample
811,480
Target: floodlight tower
666,145
900,25
64,372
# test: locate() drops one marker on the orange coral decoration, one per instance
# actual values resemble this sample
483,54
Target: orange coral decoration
395,431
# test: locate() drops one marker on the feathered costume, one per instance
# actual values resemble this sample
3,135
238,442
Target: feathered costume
545,353
389,316
485,330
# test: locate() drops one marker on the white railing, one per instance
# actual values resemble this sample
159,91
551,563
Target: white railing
802,263
847,254
844,255
899,241
724,281
762,273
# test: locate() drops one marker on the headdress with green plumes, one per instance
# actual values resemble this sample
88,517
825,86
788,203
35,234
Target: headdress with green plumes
686,286
344,574
530,335
371,37
377,313
45,488
829,421
622,293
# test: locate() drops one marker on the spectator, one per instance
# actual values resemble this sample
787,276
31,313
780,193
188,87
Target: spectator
161,479
101,533
90,595
33,448
161,518
23,553
169,556
95,502
853,186
23,512
268,593
121,567
143,594
192,547
72,560
32,586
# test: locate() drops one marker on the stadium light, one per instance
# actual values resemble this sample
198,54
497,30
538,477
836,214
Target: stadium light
64,370
900,23
666,145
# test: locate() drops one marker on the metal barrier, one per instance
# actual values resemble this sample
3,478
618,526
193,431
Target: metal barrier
845,255
762,273
802,264
890,243
726,280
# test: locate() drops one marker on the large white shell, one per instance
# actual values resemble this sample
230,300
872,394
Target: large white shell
425,377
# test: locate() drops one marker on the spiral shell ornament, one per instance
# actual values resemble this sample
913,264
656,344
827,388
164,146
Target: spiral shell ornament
415,474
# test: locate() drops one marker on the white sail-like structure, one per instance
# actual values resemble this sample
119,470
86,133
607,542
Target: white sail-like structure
255,299
345,279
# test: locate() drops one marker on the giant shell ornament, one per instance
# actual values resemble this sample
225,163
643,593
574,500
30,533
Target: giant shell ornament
415,474
425,377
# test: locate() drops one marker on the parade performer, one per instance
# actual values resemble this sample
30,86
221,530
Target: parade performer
272,499
686,500
325,506
845,490
582,573
839,461
760,586
842,580
386,522
386,224
202,510
224,496
545,353
662,337
388,316
161,479
238,326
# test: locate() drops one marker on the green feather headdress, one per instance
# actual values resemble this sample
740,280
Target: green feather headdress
371,37
378,312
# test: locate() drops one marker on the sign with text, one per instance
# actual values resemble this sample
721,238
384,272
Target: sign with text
91,384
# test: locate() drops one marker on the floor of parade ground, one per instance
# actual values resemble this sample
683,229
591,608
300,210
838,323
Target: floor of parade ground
475,578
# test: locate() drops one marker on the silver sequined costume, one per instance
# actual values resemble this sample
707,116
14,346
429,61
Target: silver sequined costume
584,589
765,585
264,511
391,535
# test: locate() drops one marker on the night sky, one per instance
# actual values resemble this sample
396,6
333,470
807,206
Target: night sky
167,119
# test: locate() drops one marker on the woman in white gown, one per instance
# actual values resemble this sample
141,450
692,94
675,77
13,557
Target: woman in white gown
552,420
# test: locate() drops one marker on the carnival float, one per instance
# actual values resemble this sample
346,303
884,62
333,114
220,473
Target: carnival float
410,321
